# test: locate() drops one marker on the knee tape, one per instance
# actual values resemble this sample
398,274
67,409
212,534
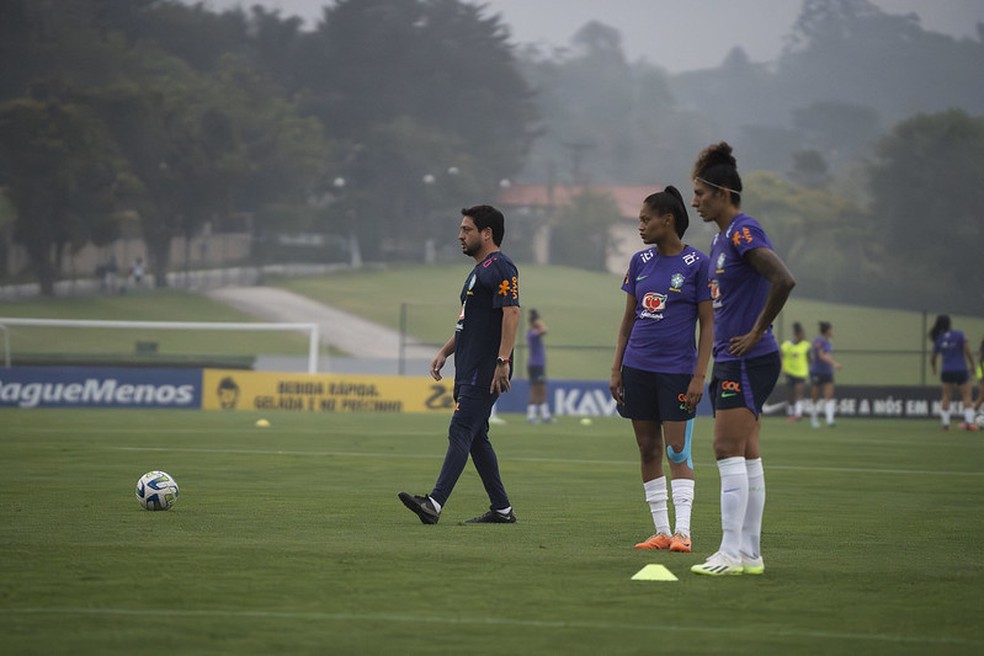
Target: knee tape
679,457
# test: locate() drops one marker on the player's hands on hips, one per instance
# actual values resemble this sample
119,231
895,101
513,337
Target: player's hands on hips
436,364
742,344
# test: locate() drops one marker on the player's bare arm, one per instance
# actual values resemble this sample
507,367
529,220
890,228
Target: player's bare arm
705,340
510,322
442,356
621,341
781,283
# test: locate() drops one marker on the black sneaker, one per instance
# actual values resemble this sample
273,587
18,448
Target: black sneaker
422,506
493,517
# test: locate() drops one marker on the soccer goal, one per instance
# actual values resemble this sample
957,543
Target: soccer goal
30,341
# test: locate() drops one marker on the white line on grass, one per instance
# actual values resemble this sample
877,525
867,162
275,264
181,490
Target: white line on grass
564,461
490,621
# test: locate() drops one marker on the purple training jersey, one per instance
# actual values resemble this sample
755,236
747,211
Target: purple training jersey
667,290
536,355
819,366
738,291
951,345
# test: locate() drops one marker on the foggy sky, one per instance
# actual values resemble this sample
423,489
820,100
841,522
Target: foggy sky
679,35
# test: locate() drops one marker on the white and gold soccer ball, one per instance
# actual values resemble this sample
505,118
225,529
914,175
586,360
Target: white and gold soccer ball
156,490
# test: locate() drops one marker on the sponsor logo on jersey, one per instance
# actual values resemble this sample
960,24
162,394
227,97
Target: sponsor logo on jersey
715,290
653,305
653,302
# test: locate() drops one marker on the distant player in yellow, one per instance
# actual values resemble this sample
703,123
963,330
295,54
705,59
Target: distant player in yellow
796,366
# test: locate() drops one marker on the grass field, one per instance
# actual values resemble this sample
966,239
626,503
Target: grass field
291,540
583,310
158,305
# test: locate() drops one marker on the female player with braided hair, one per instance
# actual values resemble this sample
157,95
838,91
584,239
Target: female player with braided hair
749,286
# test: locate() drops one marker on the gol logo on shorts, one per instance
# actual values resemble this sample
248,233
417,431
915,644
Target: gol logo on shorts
653,302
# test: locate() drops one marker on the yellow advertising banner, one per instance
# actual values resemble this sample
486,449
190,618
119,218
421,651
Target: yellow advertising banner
255,390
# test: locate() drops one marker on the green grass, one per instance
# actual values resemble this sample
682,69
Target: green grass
583,311
291,540
163,305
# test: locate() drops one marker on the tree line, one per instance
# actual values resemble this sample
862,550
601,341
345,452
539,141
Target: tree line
860,144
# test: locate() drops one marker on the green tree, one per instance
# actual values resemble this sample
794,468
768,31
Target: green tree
825,239
609,120
850,51
57,167
581,235
422,71
927,193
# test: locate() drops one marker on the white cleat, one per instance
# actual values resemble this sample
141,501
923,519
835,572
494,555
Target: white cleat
718,564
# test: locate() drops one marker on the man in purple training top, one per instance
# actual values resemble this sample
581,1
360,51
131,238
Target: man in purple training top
482,345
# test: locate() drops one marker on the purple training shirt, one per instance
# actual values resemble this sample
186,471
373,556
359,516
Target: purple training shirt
738,291
667,290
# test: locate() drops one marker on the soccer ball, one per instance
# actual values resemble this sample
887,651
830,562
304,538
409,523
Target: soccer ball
156,490
980,421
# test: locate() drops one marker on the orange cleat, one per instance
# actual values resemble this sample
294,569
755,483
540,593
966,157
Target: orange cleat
681,543
658,541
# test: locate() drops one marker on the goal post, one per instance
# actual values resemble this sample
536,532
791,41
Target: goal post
310,328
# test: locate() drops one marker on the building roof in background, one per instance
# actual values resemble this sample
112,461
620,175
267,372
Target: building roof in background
628,198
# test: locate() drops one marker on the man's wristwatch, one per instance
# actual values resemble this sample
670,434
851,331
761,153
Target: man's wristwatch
502,361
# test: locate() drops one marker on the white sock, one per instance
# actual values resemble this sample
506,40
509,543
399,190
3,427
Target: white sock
829,409
734,501
656,498
751,529
437,506
683,503
815,409
945,416
531,411
969,415
545,410
799,409
504,511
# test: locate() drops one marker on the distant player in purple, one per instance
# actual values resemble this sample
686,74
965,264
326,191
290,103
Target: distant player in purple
537,409
822,365
749,286
658,373
952,346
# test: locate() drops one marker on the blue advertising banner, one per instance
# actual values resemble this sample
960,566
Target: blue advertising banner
96,387
577,398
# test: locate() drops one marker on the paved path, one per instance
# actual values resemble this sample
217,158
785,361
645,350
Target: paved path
344,331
